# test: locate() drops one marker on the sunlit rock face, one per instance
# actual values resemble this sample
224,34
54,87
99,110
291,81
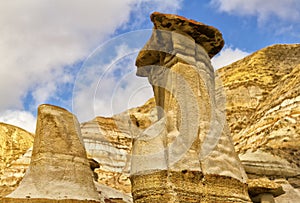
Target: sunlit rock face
263,105
258,87
109,142
187,155
13,174
59,168
14,142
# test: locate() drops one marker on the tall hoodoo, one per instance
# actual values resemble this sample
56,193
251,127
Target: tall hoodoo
187,155
59,168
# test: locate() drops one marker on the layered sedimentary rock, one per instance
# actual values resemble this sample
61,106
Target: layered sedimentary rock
263,105
13,174
254,87
59,169
187,155
249,82
109,146
264,190
14,142
109,142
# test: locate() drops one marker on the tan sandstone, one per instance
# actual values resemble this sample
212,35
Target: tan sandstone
59,168
248,84
190,143
14,142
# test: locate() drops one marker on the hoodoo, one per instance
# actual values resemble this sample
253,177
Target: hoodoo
187,155
59,168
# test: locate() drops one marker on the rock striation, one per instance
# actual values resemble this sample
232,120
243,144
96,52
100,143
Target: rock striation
14,142
263,105
187,155
262,113
13,174
59,169
109,142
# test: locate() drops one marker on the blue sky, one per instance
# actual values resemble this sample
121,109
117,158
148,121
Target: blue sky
80,54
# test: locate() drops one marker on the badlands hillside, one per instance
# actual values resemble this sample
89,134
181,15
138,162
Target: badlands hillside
262,94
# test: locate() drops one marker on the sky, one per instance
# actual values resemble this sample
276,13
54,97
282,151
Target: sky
80,54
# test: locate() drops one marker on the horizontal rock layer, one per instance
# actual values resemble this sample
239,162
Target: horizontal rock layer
263,110
208,37
248,85
40,200
187,186
14,142
59,168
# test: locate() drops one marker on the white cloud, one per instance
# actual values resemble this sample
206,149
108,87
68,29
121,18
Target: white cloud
22,119
227,56
39,38
106,87
287,10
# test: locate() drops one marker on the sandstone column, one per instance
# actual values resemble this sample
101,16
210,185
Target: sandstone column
187,155
59,168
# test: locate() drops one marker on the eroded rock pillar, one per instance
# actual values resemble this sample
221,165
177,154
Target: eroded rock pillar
59,168
187,155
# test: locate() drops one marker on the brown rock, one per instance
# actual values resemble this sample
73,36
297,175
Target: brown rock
59,168
207,36
14,142
109,142
41,200
264,185
13,174
191,135
263,105
264,190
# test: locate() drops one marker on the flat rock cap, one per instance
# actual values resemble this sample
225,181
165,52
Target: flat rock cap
264,185
210,38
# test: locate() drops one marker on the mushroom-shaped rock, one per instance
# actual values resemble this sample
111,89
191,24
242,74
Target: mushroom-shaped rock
263,189
208,37
187,155
59,168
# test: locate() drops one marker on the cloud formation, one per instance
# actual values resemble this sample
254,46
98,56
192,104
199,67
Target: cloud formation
39,38
227,56
288,10
22,119
107,84
40,41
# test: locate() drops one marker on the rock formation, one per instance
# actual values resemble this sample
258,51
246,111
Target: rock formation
263,105
14,142
264,190
258,88
13,174
187,155
59,168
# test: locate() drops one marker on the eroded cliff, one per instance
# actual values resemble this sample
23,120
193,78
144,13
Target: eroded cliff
263,111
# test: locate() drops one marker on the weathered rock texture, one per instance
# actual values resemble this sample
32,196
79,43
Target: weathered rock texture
14,142
59,168
13,174
187,155
42,200
263,109
109,142
248,85
263,189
